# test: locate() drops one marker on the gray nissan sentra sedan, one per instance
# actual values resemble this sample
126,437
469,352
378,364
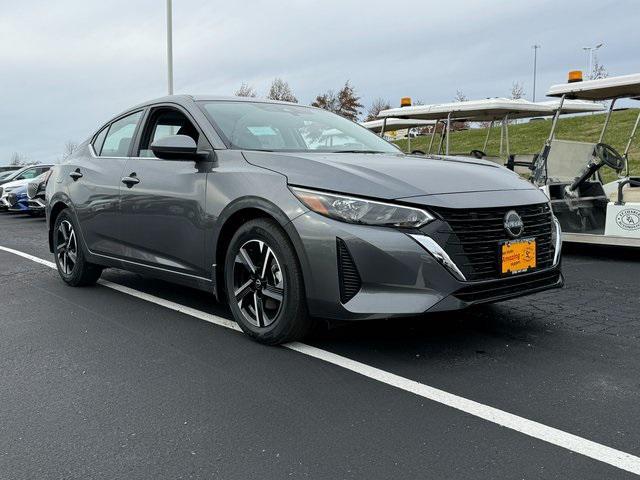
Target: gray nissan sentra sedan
290,213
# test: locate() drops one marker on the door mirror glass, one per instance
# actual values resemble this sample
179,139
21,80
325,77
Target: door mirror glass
175,147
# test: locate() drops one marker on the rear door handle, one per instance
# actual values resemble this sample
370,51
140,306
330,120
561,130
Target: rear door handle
76,174
131,180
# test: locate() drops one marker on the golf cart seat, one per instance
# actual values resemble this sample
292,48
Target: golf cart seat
522,164
629,194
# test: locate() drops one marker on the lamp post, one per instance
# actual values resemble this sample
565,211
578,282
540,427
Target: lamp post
535,67
169,47
589,51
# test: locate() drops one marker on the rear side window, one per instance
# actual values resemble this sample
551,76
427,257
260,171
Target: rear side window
99,140
120,136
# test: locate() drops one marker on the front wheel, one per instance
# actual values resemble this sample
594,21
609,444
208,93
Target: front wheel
264,284
73,268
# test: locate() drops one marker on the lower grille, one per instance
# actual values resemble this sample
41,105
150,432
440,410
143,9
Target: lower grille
509,287
472,237
348,275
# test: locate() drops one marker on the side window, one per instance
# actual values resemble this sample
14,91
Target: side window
99,140
162,123
118,140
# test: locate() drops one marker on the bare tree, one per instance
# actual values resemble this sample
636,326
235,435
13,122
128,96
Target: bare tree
245,90
517,90
598,70
376,107
460,96
461,125
280,90
69,148
345,103
18,159
327,101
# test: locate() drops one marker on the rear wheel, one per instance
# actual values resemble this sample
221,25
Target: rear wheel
70,260
264,284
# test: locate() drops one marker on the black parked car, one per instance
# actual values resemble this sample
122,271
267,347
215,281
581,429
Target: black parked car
244,198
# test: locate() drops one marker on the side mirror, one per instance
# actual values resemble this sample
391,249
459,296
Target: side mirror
175,147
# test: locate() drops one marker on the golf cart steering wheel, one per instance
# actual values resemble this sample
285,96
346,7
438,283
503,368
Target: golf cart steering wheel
479,154
609,156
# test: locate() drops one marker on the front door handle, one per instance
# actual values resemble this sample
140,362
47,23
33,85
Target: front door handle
131,180
76,174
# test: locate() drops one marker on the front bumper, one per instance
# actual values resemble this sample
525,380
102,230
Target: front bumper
398,275
36,204
16,203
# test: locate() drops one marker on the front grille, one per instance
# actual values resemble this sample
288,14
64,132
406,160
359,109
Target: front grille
32,189
348,275
510,287
12,199
473,237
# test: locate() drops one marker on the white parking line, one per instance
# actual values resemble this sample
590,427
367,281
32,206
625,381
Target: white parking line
560,438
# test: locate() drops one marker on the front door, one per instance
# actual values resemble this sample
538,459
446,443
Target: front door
162,201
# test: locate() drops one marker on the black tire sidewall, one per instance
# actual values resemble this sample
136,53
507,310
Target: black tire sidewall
79,273
291,322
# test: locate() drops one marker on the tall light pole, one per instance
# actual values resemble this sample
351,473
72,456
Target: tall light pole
589,53
535,68
169,47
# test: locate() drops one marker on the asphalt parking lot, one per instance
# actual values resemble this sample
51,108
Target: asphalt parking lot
107,383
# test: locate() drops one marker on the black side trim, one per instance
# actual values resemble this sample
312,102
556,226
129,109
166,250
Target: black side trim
348,275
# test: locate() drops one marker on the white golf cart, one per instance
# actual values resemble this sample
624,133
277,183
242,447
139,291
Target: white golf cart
570,172
385,126
489,110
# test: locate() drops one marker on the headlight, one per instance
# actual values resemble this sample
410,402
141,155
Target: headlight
361,211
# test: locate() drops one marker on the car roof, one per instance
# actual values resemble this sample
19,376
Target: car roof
184,98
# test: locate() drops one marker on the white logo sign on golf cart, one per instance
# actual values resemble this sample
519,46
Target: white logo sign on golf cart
628,219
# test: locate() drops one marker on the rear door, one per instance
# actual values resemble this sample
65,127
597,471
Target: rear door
95,180
163,208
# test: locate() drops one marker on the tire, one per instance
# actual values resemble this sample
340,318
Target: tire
72,265
252,287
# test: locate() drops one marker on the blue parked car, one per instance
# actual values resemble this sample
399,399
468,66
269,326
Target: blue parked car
17,200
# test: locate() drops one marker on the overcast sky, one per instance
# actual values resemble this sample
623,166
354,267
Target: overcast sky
67,66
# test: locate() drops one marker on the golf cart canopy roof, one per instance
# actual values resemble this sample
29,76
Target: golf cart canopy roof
625,86
394,124
488,109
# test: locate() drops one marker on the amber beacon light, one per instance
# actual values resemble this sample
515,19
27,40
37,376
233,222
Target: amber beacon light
575,76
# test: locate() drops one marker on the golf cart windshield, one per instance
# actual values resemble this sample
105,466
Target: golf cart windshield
285,127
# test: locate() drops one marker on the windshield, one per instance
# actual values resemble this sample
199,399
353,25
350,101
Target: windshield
280,127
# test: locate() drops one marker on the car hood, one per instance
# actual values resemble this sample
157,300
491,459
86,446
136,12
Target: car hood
15,183
388,176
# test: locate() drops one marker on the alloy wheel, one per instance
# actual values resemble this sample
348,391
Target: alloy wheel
66,247
258,283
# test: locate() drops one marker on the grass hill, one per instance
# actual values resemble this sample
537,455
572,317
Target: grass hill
530,137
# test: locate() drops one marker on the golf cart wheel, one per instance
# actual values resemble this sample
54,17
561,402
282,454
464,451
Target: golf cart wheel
264,284
72,266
